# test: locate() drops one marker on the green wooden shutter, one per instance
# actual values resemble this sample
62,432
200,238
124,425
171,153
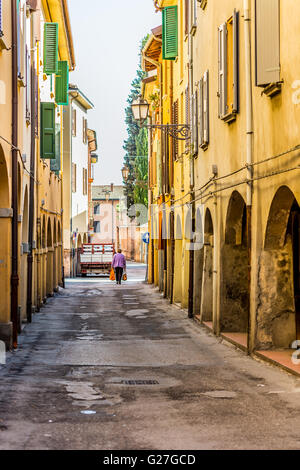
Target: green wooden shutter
62,83
170,33
48,130
55,164
50,48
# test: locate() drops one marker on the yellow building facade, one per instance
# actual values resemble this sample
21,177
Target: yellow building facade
240,171
31,184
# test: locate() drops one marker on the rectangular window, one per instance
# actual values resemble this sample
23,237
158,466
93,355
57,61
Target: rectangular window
170,33
28,86
194,109
175,121
74,177
97,227
74,122
229,68
84,179
193,15
47,130
84,130
50,48
186,16
203,111
62,83
267,28
97,209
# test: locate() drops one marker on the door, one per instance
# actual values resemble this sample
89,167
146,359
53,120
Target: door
296,263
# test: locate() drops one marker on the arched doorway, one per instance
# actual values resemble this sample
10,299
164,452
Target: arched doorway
59,253
78,252
177,295
278,313
198,262
235,285
5,245
23,260
55,254
207,277
49,270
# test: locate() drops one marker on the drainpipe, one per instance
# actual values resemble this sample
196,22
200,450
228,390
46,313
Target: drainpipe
192,185
249,143
31,200
14,265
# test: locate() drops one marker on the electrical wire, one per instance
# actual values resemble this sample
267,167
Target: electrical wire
13,147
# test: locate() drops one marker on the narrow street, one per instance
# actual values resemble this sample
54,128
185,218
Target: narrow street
116,367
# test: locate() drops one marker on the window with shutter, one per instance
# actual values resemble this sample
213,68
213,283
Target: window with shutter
48,130
187,5
1,25
229,69
170,33
74,177
203,111
55,164
194,109
28,86
62,83
175,121
74,123
267,25
50,48
193,16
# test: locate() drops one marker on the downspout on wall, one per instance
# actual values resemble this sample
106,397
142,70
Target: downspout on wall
14,266
249,142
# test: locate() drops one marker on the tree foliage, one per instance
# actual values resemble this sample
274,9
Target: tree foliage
136,144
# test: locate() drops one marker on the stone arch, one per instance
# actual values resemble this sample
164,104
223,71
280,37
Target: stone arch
179,260
58,232
50,260
19,189
25,217
198,262
49,234
23,259
278,218
54,232
5,245
278,313
43,237
235,295
207,277
4,182
235,220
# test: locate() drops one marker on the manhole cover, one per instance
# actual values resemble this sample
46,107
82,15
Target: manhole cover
139,382
220,394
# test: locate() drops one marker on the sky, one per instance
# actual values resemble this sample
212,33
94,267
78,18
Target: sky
106,38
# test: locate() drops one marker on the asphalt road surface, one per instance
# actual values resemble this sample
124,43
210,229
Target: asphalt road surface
116,367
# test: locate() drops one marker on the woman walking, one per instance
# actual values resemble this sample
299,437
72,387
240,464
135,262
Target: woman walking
119,264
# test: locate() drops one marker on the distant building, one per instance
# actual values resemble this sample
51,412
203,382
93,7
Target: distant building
76,170
107,203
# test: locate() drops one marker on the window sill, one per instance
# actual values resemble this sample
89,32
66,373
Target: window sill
231,117
3,44
272,90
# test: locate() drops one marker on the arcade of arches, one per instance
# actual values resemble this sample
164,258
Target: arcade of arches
268,313
256,300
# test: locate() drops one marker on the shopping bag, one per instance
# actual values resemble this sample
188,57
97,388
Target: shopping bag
112,276
124,277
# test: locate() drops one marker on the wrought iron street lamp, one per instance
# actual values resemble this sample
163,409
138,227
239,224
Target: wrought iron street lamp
140,111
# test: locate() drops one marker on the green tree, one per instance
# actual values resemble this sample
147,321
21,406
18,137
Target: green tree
136,144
